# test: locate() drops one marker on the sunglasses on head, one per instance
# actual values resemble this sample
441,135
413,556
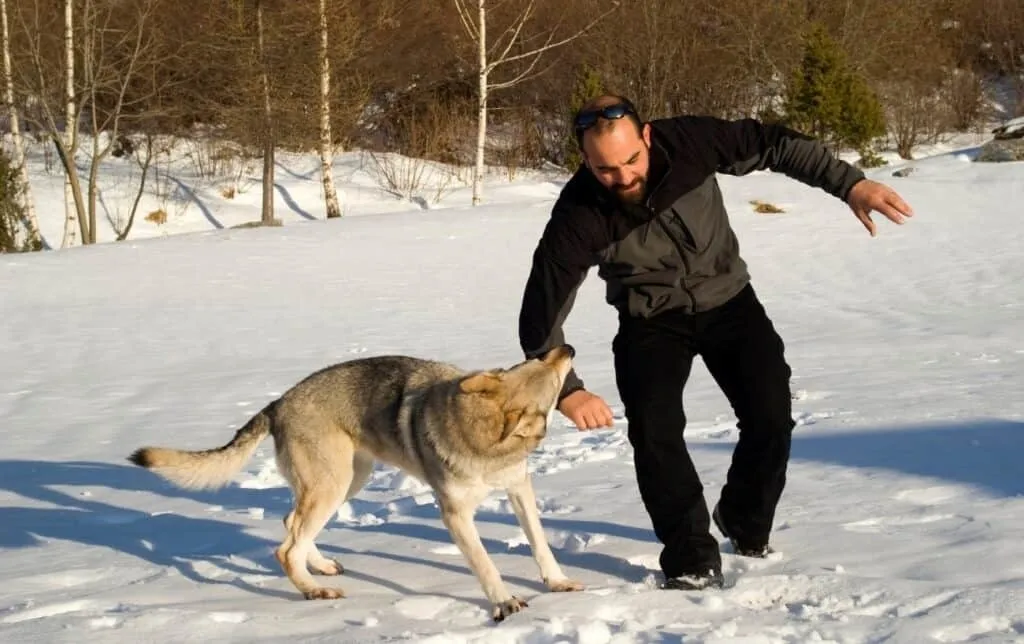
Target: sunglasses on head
586,119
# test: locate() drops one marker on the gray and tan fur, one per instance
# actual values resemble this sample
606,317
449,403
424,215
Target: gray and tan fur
464,433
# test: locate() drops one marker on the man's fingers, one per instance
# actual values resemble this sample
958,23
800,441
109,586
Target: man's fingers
892,212
883,200
896,209
865,219
892,206
587,420
899,204
593,416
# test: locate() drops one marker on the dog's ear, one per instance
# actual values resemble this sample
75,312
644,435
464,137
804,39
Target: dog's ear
485,383
512,418
563,351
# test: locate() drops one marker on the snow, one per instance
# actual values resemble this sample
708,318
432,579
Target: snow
902,520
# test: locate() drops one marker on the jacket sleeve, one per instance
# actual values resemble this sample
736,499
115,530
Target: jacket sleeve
561,260
741,146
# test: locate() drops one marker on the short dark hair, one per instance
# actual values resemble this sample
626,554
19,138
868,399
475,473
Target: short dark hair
601,112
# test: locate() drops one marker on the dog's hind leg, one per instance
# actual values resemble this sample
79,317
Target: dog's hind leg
524,504
319,481
362,467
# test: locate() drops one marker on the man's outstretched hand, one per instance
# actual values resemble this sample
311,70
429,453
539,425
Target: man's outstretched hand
868,195
587,410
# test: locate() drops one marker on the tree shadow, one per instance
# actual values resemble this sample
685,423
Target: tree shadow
593,561
192,196
164,539
184,543
291,203
984,454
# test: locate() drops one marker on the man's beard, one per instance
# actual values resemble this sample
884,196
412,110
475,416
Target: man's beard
633,193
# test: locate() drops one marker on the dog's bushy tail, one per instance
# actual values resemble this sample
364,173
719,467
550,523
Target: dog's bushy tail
205,469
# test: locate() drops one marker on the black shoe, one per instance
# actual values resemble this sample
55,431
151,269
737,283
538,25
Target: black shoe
696,581
759,550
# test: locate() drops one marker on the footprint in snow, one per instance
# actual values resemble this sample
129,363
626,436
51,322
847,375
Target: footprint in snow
991,626
559,540
48,610
105,622
898,523
927,496
229,617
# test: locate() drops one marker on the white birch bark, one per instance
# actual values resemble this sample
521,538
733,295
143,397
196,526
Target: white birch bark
481,116
477,31
72,219
326,155
32,222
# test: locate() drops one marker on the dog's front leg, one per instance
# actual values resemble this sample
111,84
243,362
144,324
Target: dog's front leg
524,504
459,520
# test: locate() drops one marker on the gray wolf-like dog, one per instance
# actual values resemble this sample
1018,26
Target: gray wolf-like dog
463,432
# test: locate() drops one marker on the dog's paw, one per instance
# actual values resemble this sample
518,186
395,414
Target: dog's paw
328,567
506,608
564,585
324,593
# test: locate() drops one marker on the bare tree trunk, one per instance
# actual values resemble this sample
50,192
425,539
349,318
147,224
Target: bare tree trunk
93,188
477,31
326,173
35,239
71,196
481,127
145,162
267,217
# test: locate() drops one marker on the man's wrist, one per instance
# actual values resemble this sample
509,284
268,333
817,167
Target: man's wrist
570,391
846,195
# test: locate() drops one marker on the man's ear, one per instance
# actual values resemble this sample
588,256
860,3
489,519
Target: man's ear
484,382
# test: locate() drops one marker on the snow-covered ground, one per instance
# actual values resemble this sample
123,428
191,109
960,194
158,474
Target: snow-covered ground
903,520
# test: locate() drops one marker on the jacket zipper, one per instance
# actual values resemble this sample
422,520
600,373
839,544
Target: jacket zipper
682,257
668,233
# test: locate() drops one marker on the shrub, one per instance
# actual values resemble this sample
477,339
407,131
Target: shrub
12,209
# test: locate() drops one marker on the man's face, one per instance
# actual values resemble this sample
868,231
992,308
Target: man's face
620,159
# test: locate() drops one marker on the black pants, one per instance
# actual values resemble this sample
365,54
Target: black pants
744,354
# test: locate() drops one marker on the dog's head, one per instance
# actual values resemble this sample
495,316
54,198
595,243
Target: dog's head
511,408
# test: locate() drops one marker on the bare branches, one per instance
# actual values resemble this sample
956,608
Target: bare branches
507,41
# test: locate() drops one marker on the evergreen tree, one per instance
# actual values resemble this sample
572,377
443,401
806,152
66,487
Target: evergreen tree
828,99
12,212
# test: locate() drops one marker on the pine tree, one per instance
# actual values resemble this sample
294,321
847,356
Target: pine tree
13,219
826,98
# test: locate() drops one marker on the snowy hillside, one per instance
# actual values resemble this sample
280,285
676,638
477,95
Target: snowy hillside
902,521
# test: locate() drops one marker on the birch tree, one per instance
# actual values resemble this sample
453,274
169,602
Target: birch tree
492,55
35,239
267,213
107,81
326,140
68,148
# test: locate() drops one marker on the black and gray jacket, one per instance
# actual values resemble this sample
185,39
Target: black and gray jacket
675,251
